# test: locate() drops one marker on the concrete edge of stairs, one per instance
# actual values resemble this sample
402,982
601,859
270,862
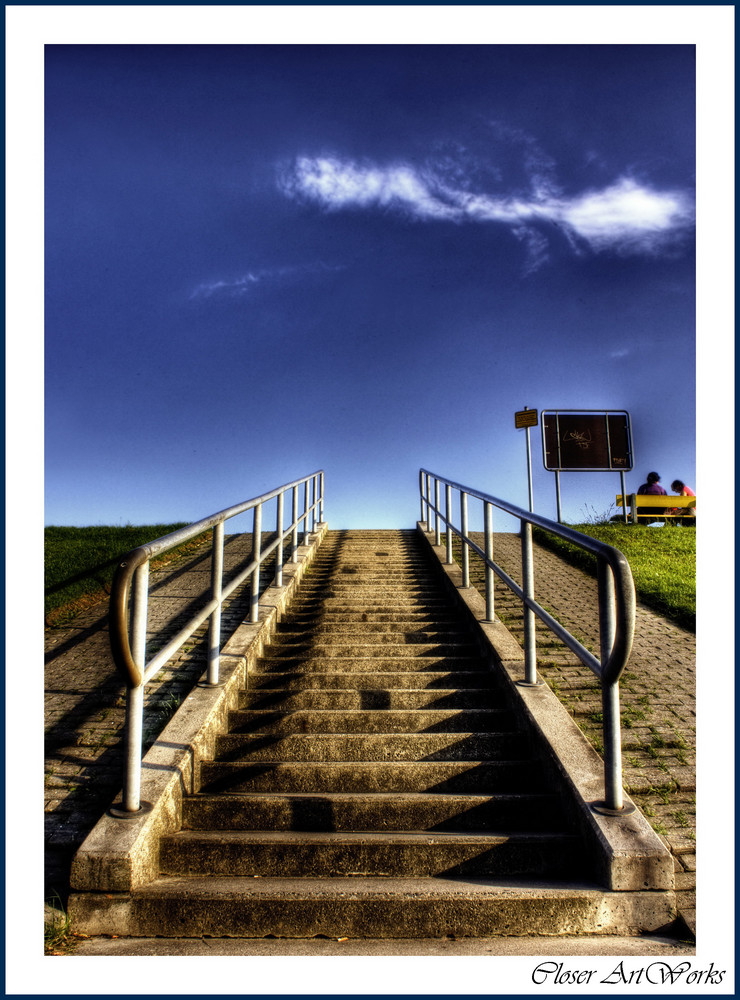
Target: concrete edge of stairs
627,854
120,855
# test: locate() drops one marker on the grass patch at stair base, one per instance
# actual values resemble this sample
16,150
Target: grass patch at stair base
663,563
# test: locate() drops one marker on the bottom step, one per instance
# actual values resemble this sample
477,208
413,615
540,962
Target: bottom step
367,908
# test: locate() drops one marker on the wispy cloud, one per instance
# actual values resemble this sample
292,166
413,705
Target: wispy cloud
246,284
625,217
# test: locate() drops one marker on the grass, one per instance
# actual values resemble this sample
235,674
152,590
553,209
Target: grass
663,563
58,938
79,563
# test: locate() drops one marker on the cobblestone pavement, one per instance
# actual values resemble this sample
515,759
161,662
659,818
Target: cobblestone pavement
657,694
84,698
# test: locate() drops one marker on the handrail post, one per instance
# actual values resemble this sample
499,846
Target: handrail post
488,528
422,486
256,556
279,529
436,511
429,501
609,692
214,637
314,497
135,695
464,532
448,515
306,505
530,650
294,538
613,796
321,498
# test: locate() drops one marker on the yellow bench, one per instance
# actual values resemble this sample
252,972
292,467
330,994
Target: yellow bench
665,503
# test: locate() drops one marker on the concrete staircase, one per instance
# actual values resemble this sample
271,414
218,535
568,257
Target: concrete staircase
374,782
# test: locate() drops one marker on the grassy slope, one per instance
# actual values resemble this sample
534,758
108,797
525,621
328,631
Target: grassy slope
663,563
79,562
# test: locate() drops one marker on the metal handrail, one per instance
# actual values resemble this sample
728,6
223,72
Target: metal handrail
128,645
616,599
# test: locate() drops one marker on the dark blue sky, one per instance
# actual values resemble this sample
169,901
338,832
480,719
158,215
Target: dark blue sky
263,260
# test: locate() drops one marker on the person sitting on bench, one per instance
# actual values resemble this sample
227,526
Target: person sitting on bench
652,488
683,491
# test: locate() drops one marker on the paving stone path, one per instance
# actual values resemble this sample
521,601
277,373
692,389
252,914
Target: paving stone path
657,694
85,699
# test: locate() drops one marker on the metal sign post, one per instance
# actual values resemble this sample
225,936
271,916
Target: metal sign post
527,418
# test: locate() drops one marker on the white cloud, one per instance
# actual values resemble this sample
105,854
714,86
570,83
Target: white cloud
626,216
626,211
245,284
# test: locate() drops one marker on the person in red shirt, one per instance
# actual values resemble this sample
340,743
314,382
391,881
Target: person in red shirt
684,491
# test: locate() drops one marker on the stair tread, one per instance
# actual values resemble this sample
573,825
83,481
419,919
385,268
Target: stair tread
358,887
481,838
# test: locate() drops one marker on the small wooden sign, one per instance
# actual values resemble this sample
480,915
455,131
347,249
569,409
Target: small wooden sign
525,418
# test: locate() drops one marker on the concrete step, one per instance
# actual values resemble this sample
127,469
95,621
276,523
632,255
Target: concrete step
368,908
371,632
374,647
359,664
347,812
380,720
408,620
306,854
371,679
406,776
380,747
374,601
380,588
389,699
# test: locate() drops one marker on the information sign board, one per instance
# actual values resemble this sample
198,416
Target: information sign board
586,440
525,418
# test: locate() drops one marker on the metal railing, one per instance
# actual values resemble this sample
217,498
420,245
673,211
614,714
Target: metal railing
128,630
616,600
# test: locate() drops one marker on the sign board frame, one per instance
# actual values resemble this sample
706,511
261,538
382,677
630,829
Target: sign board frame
587,441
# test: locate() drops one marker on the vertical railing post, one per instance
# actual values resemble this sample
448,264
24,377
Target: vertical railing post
465,559
214,628
256,557
279,557
530,650
609,692
448,517
135,695
306,505
436,511
294,522
613,795
422,481
321,498
488,529
314,494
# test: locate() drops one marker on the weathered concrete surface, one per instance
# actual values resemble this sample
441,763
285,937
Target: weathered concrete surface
424,947
362,907
629,854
